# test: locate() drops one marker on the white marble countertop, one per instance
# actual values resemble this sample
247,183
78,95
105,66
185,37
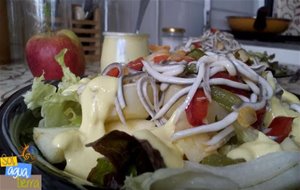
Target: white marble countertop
17,75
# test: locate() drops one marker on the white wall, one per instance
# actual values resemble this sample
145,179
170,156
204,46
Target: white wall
187,14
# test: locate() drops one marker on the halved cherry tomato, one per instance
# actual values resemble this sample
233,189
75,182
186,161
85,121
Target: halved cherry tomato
197,109
114,72
136,64
226,75
280,128
160,58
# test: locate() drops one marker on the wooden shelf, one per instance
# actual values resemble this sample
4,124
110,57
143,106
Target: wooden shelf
89,33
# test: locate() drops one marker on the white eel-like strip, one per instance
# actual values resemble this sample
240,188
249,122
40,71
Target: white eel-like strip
258,68
119,112
163,86
295,107
165,68
227,82
174,72
145,93
171,72
167,79
255,105
139,88
162,99
171,101
147,105
120,94
243,98
264,83
220,136
155,95
205,84
252,85
253,98
243,68
227,64
225,122
214,70
192,91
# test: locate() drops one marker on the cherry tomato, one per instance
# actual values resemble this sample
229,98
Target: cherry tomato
160,58
197,109
114,72
280,128
136,64
226,75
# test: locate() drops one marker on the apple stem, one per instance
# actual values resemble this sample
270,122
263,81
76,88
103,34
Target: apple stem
47,16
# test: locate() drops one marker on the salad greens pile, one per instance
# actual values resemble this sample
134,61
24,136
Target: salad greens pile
58,108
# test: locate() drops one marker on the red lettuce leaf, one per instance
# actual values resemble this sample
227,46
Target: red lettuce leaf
127,156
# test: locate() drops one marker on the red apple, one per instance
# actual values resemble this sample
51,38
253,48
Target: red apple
41,50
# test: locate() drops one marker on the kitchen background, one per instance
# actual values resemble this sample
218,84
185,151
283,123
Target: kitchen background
195,16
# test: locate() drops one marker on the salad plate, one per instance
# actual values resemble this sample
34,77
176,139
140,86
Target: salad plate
198,118
17,124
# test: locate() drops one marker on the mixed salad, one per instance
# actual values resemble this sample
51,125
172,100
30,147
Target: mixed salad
171,119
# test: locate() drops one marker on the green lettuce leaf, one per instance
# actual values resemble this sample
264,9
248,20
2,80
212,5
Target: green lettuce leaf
68,78
103,172
40,92
58,109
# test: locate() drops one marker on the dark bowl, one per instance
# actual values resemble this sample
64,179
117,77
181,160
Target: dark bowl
17,123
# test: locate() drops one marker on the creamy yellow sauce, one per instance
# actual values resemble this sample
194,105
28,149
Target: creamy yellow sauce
254,149
160,139
97,99
295,133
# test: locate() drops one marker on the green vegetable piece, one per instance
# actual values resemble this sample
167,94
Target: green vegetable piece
102,171
225,98
191,69
196,53
220,160
128,155
40,92
68,78
244,134
242,55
